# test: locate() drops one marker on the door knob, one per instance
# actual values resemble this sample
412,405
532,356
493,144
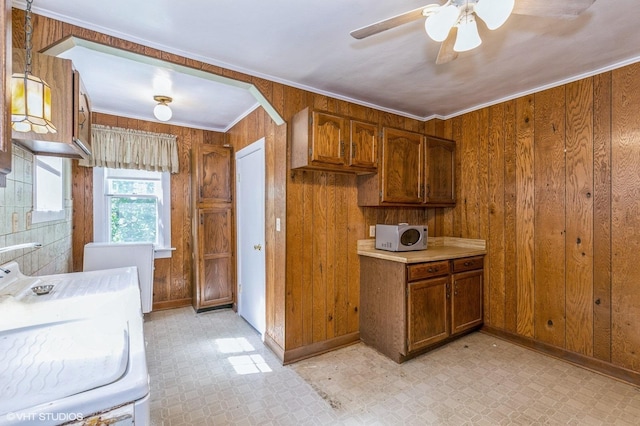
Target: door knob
257,247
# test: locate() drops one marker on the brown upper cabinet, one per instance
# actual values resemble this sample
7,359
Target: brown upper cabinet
70,108
5,102
212,166
330,142
415,170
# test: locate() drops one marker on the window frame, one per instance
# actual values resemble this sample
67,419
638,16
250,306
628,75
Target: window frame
41,216
101,207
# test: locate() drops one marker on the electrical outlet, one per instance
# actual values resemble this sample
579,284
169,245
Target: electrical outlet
14,222
277,224
372,231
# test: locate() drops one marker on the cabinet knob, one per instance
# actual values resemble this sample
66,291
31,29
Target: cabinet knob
467,263
430,270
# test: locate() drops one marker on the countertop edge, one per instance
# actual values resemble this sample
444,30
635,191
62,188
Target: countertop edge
438,248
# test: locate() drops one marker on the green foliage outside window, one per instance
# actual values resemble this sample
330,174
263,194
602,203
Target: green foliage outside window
133,219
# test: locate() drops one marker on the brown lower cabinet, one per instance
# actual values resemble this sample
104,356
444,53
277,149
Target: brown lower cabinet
409,309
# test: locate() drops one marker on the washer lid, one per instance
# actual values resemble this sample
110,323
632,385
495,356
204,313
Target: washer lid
47,362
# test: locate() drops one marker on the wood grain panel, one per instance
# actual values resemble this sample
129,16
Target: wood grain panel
318,303
579,211
625,217
482,197
549,243
525,214
602,216
510,201
341,252
494,309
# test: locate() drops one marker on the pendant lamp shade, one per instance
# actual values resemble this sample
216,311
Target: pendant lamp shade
494,13
468,37
439,24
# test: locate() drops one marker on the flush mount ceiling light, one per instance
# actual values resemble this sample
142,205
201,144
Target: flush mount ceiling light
454,22
30,95
162,111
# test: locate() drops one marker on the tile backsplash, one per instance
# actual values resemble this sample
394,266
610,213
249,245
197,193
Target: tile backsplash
16,204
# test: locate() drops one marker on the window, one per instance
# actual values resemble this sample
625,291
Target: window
48,189
132,206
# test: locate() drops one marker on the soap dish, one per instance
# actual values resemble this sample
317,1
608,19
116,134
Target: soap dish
42,289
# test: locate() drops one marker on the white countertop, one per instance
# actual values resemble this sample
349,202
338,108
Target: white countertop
438,248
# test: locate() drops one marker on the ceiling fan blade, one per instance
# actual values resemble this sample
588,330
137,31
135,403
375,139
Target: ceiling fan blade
559,9
387,24
446,52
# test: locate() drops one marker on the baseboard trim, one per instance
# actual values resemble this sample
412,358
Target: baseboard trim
598,366
297,354
171,304
274,346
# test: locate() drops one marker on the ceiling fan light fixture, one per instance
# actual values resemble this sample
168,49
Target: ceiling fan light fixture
468,37
494,13
439,24
162,111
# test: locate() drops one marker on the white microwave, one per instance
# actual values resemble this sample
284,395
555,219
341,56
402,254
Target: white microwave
402,237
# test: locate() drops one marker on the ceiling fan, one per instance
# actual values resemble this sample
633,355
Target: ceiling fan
454,22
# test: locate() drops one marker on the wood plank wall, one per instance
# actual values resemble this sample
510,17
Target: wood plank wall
550,180
172,283
562,228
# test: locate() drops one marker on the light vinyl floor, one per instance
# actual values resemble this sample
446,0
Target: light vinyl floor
212,369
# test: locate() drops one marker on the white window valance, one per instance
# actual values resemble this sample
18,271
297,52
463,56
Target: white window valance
119,148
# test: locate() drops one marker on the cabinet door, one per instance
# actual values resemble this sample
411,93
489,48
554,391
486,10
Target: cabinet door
215,267
327,142
466,302
402,166
5,99
427,312
363,145
440,171
81,115
213,175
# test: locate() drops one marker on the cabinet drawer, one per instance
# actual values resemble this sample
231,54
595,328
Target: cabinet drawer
468,263
421,271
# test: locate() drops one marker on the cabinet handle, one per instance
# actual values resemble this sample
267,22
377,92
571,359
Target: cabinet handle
430,270
84,117
201,219
467,263
341,149
201,192
354,149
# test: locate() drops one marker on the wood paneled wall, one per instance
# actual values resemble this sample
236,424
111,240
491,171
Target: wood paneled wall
173,277
550,180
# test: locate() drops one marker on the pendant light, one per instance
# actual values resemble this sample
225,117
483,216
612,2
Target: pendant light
162,111
30,95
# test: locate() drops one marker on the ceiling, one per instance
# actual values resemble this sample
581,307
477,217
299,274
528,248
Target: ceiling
306,44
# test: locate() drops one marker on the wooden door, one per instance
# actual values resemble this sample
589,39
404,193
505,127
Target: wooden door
440,171
327,142
213,175
402,166
363,141
427,312
215,262
466,300
5,101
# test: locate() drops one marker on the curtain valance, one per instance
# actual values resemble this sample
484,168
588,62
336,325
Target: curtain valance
120,148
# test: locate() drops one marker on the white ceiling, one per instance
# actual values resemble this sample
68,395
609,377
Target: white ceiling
307,44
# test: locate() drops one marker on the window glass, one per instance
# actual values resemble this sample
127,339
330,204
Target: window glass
132,206
48,189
